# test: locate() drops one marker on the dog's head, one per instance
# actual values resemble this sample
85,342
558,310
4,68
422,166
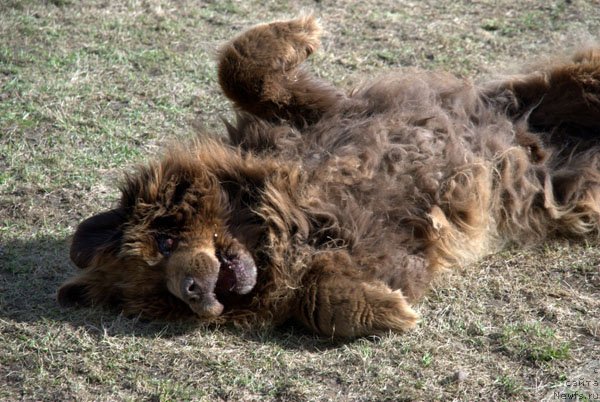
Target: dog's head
169,249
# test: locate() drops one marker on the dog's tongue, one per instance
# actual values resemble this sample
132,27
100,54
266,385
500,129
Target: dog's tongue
245,270
237,274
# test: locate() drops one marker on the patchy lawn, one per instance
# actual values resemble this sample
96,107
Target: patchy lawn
88,89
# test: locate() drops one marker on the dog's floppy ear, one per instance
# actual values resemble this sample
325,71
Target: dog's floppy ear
100,233
74,293
88,288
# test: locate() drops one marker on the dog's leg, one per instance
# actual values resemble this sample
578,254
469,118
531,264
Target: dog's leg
576,188
337,302
561,108
564,97
260,72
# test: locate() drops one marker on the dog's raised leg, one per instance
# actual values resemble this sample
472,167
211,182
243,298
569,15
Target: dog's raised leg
260,72
560,105
564,97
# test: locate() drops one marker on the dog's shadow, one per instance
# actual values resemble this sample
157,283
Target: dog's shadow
32,271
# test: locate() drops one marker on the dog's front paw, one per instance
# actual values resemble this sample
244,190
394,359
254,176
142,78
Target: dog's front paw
340,306
277,46
387,311
257,68
297,39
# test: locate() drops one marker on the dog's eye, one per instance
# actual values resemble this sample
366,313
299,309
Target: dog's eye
165,244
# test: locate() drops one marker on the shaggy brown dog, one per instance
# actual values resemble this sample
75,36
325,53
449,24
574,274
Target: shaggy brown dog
337,210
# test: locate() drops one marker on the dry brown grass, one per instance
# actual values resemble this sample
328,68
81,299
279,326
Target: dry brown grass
87,89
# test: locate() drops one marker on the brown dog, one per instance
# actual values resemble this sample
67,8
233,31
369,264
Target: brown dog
337,209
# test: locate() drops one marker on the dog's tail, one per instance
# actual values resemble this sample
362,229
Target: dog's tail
260,72
562,100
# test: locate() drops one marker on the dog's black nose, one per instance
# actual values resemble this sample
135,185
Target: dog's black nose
190,289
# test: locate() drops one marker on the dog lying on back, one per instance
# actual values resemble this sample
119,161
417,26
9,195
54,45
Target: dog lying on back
338,209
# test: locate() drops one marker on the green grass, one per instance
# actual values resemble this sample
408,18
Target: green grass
89,89
534,342
509,385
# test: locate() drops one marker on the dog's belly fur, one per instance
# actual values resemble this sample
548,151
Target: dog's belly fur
410,168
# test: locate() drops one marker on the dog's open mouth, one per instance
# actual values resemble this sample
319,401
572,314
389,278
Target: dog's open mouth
237,273
210,283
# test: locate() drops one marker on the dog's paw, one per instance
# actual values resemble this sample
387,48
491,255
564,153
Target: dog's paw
257,67
340,306
299,38
391,312
278,46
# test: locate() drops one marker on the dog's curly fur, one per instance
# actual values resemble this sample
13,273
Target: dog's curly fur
338,209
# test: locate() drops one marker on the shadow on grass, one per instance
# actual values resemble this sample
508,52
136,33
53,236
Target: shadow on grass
32,271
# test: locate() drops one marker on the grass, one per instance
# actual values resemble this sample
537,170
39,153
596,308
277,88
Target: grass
88,89
535,342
